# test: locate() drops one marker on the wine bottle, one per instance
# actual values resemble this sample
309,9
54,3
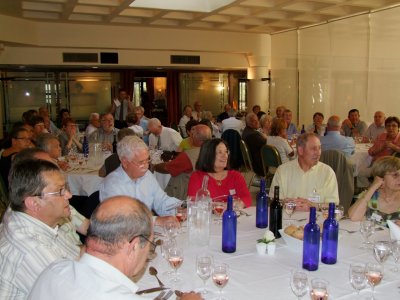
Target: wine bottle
114,144
229,228
302,130
275,214
262,206
330,237
311,243
85,147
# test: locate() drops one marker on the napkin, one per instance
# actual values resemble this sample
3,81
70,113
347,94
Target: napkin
394,230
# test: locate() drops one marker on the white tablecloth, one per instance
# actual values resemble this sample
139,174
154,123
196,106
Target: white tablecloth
360,158
255,277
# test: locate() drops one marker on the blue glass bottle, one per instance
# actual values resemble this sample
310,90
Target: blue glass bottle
262,206
229,228
311,243
330,237
85,147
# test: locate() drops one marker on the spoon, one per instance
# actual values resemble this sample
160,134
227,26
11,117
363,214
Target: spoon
153,271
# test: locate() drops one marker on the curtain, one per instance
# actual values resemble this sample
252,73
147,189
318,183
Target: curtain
173,96
127,78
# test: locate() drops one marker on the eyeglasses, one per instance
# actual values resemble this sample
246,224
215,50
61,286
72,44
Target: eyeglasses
142,163
59,193
153,245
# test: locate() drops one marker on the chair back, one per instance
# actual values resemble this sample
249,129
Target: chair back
232,138
247,161
270,159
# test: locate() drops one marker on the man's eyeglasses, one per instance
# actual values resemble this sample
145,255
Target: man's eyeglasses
142,163
153,245
59,193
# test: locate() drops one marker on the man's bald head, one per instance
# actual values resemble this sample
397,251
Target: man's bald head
201,133
334,123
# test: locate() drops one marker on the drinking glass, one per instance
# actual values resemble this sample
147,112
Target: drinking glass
299,283
170,230
218,209
220,277
396,254
319,289
374,273
357,277
181,216
165,246
204,266
339,212
175,259
367,228
382,251
290,207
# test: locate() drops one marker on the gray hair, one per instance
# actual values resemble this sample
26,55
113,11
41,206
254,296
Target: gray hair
141,108
94,115
249,116
264,119
334,122
129,146
43,139
303,139
232,113
119,227
154,122
207,115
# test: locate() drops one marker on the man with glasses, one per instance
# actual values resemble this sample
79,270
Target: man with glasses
106,133
29,237
118,243
133,178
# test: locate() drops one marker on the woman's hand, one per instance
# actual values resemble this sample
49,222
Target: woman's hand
377,183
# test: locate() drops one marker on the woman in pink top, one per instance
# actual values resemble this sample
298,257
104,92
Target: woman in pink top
213,162
388,142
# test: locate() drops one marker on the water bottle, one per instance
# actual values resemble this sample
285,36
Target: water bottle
85,147
114,144
311,242
229,228
262,206
330,236
302,130
275,214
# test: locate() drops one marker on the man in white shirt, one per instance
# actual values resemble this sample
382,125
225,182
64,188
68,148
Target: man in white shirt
29,236
306,179
232,122
164,138
94,124
376,128
197,112
118,243
120,107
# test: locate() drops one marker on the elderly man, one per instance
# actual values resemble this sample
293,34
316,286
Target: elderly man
254,141
197,112
119,240
94,123
51,145
279,112
224,115
232,122
134,179
353,126
44,113
142,122
187,116
306,179
376,128
164,138
106,133
334,140
29,238
120,107
183,165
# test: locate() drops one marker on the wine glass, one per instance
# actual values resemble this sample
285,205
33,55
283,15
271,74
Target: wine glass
319,289
165,246
357,277
367,228
374,273
181,216
170,230
220,277
175,259
396,254
382,250
339,212
299,283
218,209
204,266
290,207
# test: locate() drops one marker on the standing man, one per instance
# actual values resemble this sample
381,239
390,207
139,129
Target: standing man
376,128
353,126
106,133
197,113
164,138
120,107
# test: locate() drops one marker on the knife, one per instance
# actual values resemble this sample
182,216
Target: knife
152,290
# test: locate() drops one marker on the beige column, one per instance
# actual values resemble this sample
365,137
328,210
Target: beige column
258,89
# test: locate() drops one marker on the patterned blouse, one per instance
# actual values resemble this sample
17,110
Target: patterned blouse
374,213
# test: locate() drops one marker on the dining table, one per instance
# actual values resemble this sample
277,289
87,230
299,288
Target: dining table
254,276
360,158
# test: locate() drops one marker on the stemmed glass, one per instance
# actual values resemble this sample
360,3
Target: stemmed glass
170,230
220,277
204,266
374,273
218,209
319,289
181,216
367,228
165,246
175,259
290,207
396,254
357,277
382,250
339,212
299,283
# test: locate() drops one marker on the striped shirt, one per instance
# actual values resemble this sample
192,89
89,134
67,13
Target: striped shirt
27,247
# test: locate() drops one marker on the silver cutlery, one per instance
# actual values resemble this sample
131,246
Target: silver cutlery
348,231
167,295
153,271
160,296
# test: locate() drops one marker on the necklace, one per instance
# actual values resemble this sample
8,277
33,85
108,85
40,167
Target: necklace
219,181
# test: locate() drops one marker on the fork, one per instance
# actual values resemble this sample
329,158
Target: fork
160,296
348,231
167,295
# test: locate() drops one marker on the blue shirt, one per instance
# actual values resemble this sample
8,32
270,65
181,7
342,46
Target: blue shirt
291,130
143,123
145,189
333,140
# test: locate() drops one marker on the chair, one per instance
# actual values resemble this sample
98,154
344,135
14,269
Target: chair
270,159
232,138
248,164
344,175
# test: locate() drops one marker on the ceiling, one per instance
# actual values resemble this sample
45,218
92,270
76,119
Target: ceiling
251,16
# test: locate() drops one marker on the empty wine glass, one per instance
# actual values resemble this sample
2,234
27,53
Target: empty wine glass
367,228
175,259
220,277
204,266
290,207
357,277
319,289
396,254
382,251
374,273
299,283
170,230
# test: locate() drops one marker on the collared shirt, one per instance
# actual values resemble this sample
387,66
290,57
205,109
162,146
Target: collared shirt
374,131
100,136
333,140
168,140
90,129
86,279
143,123
292,129
232,123
360,126
293,182
281,145
125,109
182,125
145,189
27,247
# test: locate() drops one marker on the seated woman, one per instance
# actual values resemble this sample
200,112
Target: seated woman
186,143
381,201
68,137
51,145
317,126
278,139
213,162
388,142
265,123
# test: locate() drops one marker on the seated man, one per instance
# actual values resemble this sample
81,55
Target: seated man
224,115
164,138
29,238
333,140
134,179
232,122
94,123
105,134
142,122
119,240
306,179
377,127
183,165
353,126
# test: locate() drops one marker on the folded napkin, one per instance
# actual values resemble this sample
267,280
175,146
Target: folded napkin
394,230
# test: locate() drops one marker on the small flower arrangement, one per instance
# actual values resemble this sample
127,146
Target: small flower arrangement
267,238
